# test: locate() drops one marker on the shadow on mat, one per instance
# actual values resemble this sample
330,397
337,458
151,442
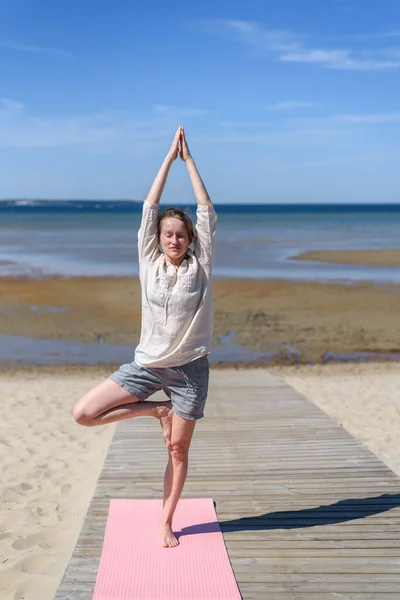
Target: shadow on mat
330,514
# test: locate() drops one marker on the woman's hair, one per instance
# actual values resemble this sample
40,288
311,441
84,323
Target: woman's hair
177,213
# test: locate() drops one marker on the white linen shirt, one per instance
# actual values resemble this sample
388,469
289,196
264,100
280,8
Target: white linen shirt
177,304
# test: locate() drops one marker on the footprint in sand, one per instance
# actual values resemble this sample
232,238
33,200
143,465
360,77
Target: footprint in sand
16,517
20,488
44,539
26,486
65,489
51,472
35,564
10,495
39,588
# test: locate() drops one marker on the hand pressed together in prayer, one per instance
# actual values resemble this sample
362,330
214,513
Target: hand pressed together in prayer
179,146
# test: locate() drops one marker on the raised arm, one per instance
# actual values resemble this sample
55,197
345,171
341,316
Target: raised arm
206,216
157,188
147,234
199,189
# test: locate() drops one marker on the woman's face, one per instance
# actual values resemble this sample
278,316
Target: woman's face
174,239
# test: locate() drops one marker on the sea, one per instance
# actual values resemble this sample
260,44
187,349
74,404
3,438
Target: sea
99,238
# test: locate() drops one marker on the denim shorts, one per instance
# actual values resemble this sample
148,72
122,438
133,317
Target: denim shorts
186,385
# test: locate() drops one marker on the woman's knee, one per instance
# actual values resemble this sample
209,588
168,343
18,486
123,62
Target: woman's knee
85,410
82,414
179,451
100,399
181,436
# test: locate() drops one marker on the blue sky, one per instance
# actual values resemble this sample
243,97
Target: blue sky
282,101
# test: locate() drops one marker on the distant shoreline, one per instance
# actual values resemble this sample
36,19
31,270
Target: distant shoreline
388,257
22,204
42,203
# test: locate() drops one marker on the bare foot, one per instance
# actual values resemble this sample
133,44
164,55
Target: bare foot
163,412
167,537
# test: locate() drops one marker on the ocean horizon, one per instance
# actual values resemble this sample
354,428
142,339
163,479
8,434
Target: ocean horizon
25,204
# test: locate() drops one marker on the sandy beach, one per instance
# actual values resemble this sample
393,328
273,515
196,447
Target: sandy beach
50,465
49,468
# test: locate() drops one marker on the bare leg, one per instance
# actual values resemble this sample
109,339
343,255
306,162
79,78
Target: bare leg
127,411
168,479
181,436
108,402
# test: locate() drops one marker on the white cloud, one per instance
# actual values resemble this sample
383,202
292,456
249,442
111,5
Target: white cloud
291,105
161,108
329,57
98,132
287,47
313,135
339,59
9,107
251,34
245,124
95,133
372,118
376,36
177,111
9,45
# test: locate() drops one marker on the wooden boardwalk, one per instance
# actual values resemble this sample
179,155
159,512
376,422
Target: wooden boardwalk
307,512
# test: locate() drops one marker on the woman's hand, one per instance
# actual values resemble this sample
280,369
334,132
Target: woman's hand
184,148
174,150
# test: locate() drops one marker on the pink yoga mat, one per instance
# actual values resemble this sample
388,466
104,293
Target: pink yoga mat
135,566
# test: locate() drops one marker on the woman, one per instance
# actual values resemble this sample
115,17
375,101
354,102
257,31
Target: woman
176,331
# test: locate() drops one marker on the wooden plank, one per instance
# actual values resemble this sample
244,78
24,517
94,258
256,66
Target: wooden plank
254,595
237,550
306,510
